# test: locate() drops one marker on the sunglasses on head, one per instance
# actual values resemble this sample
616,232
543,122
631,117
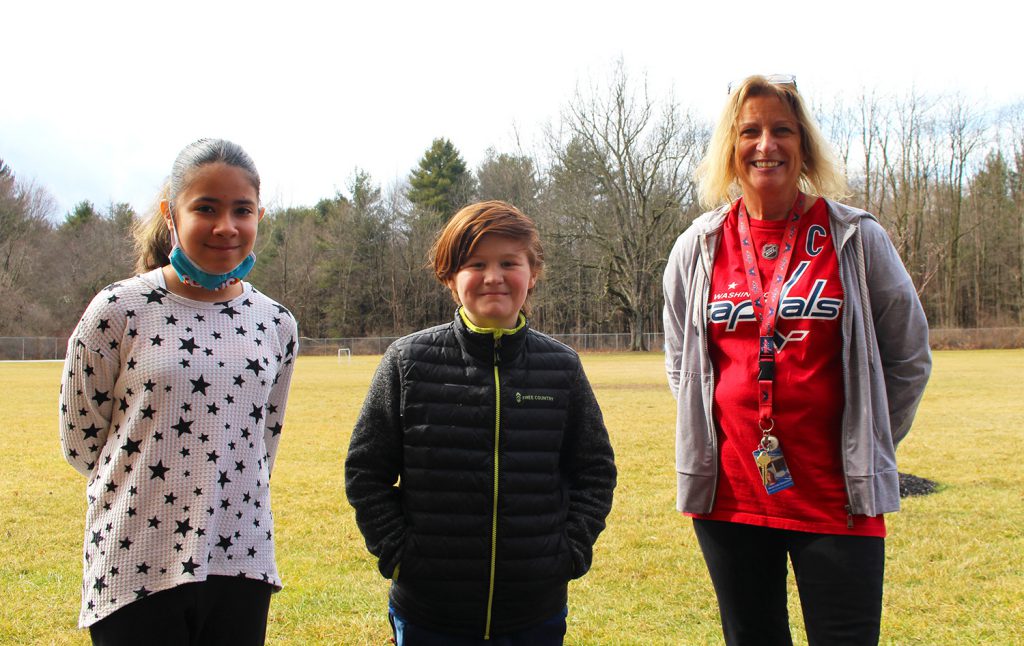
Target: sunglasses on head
774,79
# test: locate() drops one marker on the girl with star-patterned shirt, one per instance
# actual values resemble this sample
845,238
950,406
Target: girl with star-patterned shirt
172,404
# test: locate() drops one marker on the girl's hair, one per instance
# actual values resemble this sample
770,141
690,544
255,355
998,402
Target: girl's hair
716,174
458,240
152,239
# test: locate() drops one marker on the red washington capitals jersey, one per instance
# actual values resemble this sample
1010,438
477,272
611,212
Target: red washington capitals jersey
808,392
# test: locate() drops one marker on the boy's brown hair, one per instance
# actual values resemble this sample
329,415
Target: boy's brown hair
459,238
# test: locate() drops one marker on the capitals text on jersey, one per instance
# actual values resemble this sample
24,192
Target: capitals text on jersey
813,306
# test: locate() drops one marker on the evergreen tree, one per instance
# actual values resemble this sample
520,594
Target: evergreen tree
441,183
83,213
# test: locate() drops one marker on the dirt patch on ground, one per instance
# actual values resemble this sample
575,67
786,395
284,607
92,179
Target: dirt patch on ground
911,485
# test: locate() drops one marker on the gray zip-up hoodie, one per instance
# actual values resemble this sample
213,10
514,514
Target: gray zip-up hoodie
886,359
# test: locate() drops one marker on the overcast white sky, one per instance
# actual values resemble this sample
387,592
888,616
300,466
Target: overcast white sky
98,97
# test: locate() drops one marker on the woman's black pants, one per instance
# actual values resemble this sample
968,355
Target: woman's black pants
839,579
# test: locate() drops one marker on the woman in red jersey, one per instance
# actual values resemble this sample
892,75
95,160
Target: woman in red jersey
797,351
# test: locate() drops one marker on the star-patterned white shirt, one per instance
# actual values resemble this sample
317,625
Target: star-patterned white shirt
173,409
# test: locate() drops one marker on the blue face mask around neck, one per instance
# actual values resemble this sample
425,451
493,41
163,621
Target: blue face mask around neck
192,274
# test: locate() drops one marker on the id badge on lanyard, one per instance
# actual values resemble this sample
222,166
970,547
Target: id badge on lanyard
768,456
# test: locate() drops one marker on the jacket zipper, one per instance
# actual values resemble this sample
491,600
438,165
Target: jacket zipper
494,501
705,252
840,246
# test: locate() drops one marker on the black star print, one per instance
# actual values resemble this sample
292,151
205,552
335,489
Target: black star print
216,335
184,527
257,413
156,340
122,404
230,311
254,365
91,431
189,566
199,385
200,318
185,363
149,385
131,511
126,543
100,584
208,352
104,325
276,429
290,348
170,498
133,333
189,345
147,412
184,452
261,327
97,537
142,568
100,397
224,479
183,427
142,593
239,381
239,466
224,542
171,320
154,522
155,297
212,456
240,330
252,551
158,470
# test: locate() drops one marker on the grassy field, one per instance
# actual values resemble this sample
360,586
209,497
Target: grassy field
955,569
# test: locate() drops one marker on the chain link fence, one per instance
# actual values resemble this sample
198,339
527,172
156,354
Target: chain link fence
28,348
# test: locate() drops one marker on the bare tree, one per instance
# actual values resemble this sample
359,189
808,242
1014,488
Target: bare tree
963,135
643,159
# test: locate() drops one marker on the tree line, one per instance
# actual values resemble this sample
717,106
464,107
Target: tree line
610,189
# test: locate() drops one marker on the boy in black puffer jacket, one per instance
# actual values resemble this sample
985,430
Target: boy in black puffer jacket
480,468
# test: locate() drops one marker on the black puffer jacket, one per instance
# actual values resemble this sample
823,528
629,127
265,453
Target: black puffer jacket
432,441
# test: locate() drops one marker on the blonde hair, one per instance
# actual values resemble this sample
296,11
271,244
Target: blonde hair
152,239
716,174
